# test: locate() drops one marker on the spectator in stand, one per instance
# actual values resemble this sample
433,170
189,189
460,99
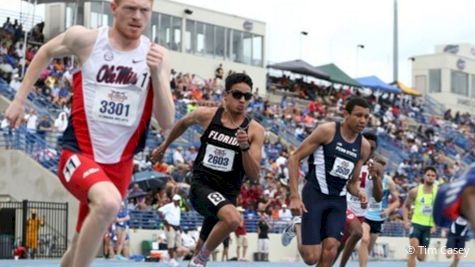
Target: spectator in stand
241,238
20,252
31,122
7,24
171,214
187,245
3,49
263,228
7,133
285,214
225,253
6,69
265,201
15,83
44,126
178,156
33,225
60,124
219,73
121,228
135,189
190,154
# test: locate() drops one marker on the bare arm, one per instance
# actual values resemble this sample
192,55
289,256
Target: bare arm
353,186
77,41
321,135
376,171
200,116
251,159
410,199
163,106
395,195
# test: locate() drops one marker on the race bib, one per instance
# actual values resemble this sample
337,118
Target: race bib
461,221
374,206
218,158
427,210
342,168
116,106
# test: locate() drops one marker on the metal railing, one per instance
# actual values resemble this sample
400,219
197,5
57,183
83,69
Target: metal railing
191,220
40,227
32,144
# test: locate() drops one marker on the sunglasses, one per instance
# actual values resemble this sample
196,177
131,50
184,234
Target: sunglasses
238,95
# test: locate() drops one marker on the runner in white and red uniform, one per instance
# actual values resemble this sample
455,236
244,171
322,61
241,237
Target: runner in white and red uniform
123,79
110,114
370,183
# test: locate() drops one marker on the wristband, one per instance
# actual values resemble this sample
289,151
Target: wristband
246,148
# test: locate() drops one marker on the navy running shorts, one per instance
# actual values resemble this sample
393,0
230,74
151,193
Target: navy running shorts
325,216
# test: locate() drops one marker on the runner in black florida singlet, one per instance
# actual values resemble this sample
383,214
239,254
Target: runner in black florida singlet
230,149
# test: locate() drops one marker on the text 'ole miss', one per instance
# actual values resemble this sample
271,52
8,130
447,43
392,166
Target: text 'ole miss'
116,75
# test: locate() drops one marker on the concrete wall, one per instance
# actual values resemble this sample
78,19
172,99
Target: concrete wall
398,247
23,178
462,59
205,67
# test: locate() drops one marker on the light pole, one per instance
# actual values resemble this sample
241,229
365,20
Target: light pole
358,46
302,33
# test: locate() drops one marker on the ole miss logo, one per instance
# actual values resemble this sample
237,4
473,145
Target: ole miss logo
118,97
116,75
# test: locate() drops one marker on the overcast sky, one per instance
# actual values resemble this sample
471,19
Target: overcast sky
336,27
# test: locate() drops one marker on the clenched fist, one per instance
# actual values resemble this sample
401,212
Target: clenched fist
155,57
14,113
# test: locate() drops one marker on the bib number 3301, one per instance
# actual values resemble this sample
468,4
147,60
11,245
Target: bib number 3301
116,106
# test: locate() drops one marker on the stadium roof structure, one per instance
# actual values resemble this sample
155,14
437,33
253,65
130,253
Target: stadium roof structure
337,75
375,83
406,89
300,67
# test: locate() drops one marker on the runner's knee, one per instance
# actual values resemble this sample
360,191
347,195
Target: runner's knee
233,220
329,253
310,258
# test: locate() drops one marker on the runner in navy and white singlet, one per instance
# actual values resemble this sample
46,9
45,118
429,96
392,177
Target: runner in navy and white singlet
336,153
230,148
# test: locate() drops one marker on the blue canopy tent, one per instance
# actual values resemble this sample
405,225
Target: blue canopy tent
375,83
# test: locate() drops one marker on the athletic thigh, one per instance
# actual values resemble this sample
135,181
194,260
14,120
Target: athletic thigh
325,216
208,201
335,219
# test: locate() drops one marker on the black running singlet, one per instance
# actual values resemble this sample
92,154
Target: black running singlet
219,161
